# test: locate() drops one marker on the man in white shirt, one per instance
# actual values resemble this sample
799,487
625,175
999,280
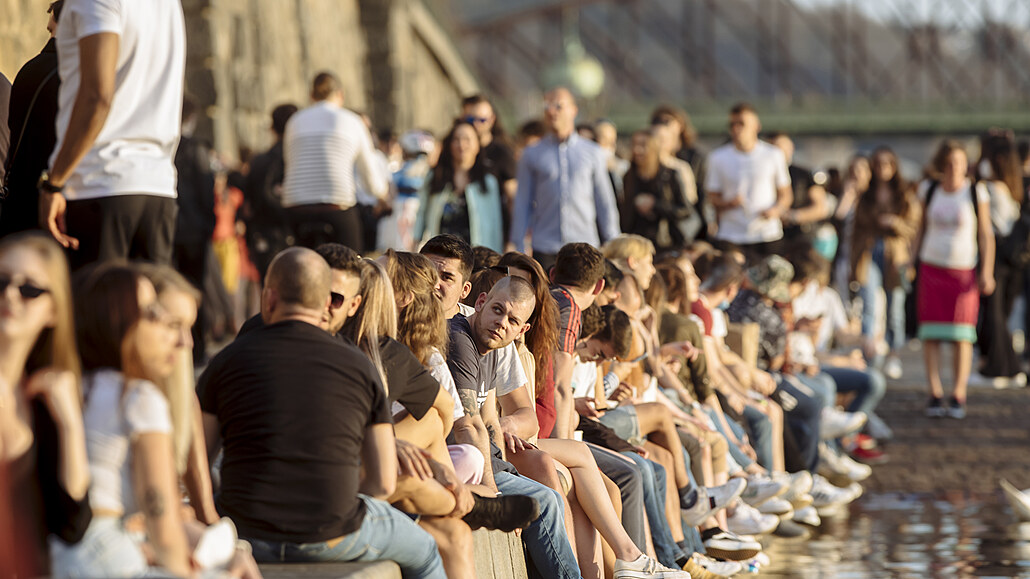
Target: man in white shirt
749,185
323,146
110,191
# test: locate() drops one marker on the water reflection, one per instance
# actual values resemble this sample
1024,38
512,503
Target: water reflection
910,536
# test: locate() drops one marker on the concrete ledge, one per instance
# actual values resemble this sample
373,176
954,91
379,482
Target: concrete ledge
497,556
374,570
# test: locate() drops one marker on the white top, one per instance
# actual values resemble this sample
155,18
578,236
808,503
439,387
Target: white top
133,154
439,370
720,328
950,238
322,147
112,422
584,378
823,303
802,348
1004,209
753,177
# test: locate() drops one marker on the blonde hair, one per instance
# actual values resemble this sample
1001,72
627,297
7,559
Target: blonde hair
421,325
626,246
55,347
180,387
376,317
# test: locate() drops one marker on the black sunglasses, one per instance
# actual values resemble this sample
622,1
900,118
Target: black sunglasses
473,120
26,289
336,300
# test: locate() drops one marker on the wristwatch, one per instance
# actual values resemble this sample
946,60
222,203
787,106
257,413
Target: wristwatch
45,185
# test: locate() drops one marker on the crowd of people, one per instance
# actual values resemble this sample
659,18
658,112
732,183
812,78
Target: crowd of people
644,365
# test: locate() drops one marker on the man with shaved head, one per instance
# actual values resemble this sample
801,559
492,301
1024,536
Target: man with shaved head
564,193
300,415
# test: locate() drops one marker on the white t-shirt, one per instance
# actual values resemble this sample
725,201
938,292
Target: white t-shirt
112,422
753,177
720,328
133,154
323,147
824,303
439,370
584,378
950,239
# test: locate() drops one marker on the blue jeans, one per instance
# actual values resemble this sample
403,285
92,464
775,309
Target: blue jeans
868,385
375,540
545,539
869,293
737,454
106,550
761,430
665,547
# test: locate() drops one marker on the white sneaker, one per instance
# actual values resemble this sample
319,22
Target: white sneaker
645,567
825,495
837,423
728,546
725,494
746,520
807,516
705,507
761,488
854,491
712,567
799,484
834,464
892,368
776,506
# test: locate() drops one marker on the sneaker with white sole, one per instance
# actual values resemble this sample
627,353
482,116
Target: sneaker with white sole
746,520
728,546
825,495
892,368
807,516
701,566
776,506
837,423
834,464
705,507
645,567
725,494
761,488
799,484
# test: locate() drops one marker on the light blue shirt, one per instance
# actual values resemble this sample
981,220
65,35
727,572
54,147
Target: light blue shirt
564,195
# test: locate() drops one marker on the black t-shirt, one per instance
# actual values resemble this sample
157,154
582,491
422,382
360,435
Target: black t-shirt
499,161
408,381
292,405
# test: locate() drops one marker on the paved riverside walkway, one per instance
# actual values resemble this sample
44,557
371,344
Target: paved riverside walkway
947,455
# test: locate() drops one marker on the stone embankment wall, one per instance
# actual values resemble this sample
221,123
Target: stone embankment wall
244,57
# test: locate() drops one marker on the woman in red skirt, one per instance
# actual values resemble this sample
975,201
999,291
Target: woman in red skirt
957,265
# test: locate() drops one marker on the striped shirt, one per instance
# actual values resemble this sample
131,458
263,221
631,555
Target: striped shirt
570,321
323,146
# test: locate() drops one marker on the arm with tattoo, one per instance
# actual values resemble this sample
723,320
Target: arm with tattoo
470,429
155,485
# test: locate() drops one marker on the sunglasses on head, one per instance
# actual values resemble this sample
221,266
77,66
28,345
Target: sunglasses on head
26,289
336,300
474,120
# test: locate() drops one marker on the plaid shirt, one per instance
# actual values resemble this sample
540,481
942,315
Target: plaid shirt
772,330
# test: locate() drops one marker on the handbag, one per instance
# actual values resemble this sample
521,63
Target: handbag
9,161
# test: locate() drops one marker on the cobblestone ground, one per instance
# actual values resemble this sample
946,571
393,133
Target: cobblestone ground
946,455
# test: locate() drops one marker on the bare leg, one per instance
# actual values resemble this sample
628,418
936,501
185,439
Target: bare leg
454,541
963,363
775,414
932,358
422,497
588,541
656,423
427,434
592,493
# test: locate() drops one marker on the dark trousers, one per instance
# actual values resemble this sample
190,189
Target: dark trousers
191,259
997,356
314,225
545,259
122,227
803,412
753,252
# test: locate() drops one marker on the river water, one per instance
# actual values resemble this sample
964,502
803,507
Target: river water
910,536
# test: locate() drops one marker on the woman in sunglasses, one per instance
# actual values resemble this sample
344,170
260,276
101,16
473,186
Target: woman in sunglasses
42,443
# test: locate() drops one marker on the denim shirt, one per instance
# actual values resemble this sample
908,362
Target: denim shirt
484,209
564,195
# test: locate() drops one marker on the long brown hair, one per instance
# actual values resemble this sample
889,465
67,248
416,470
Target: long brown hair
1006,167
55,347
542,337
900,188
421,325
